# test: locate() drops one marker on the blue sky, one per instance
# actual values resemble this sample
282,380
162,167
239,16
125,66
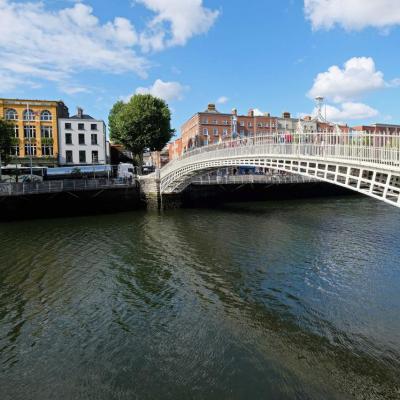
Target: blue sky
270,55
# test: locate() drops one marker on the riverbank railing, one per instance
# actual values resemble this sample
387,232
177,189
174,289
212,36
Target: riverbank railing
69,185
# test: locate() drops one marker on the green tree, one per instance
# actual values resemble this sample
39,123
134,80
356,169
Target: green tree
142,123
6,141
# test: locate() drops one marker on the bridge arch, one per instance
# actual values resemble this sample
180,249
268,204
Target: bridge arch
370,170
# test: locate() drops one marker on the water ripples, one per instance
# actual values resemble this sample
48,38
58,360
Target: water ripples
287,299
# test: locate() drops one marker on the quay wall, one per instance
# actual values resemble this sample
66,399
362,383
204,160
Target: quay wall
65,204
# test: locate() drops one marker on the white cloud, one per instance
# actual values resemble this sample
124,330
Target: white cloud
167,91
38,44
222,100
358,76
258,113
349,111
175,22
353,14
51,45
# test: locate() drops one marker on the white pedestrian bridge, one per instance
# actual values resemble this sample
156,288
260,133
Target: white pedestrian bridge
364,162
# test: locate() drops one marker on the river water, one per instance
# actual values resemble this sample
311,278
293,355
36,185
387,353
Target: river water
276,300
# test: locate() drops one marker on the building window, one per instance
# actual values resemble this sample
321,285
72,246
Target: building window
95,157
93,127
260,124
29,115
16,131
205,131
68,125
215,122
241,123
14,151
94,139
81,138
81,127
46,116
82,156
215,131
46,132
226,122
47,150
11,114
30,150
249,124
242,132
225,131
29,131
68,157
206,143
68,138
205,120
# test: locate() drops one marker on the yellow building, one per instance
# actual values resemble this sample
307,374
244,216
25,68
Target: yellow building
36,128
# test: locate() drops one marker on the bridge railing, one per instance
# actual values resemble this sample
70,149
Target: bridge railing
373,148
250,179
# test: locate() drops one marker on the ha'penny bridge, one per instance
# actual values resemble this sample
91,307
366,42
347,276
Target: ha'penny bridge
368,163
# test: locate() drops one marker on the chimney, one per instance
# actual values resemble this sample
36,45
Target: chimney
211,107
250,113
286,115
234,111
79,112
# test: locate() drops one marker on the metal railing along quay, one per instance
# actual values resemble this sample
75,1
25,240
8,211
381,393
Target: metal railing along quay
73,185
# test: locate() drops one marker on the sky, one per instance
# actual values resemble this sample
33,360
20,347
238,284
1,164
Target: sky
269,55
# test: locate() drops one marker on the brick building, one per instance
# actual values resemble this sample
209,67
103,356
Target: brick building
211,126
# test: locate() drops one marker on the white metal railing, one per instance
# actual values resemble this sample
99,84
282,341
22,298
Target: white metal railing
380,149
251,179
17,189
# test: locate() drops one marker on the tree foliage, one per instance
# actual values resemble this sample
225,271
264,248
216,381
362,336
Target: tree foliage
6,140
142,123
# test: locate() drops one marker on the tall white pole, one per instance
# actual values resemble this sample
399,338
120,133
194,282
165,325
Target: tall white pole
30,139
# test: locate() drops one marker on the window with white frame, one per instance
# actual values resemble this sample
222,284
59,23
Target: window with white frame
215,131
205,131
29,131
46,115
225,131
11,114
241,123
29,115
30,149
46,132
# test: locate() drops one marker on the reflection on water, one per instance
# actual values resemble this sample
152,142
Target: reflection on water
282,300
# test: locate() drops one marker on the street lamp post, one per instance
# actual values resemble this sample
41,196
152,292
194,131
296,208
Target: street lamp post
30,140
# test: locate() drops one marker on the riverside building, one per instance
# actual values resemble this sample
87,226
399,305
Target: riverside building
82,140
211,127
36,129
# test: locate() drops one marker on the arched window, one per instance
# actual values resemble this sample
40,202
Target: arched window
46,116
29,115
11,114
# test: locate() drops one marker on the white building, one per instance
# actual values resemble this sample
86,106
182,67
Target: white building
82,140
